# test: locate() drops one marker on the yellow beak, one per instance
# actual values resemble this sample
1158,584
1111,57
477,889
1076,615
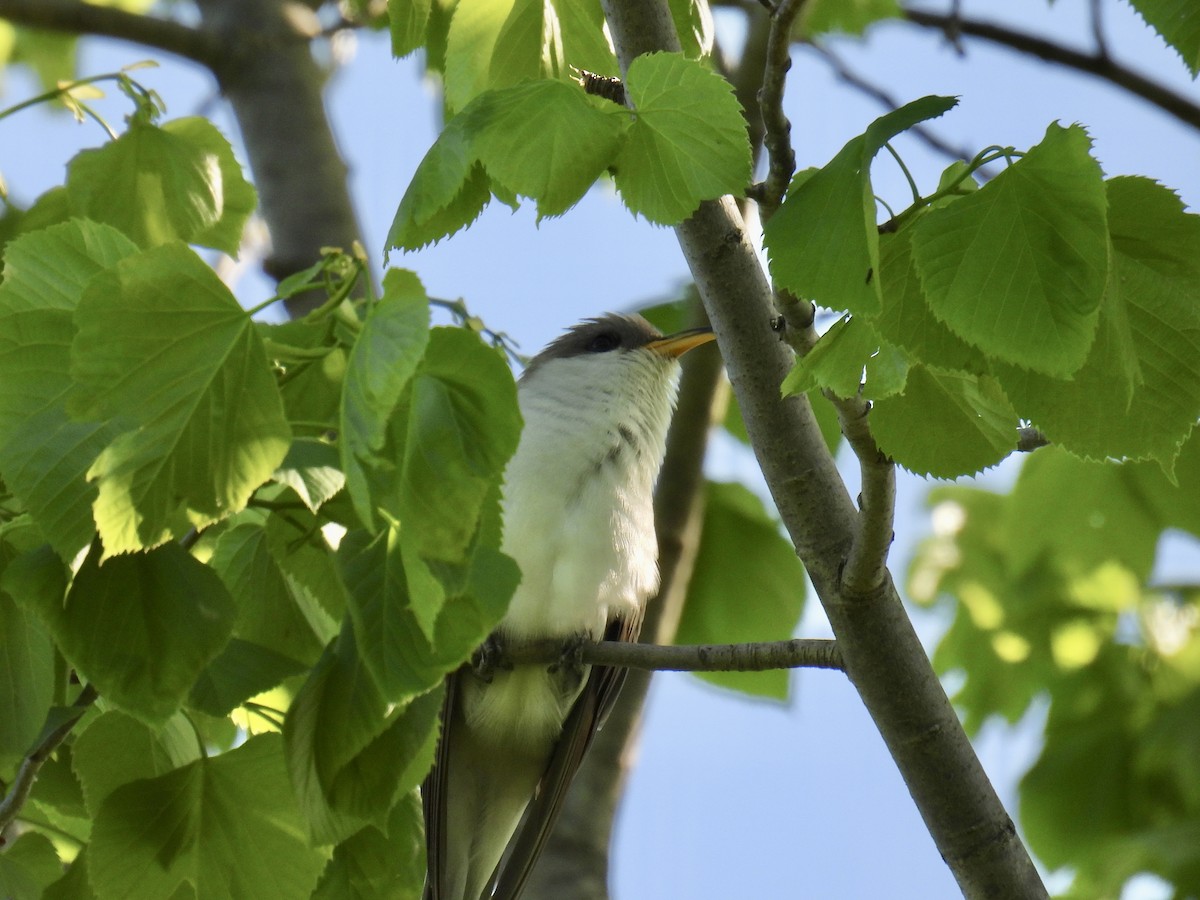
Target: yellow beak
679,343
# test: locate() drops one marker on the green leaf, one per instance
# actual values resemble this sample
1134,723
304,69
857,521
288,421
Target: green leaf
823,242
585,41
836,361
742,554
494,44
397,650
27,866
379,863
384,358
693,22
312,468
141,628
116,749
548,140
239,672
455,431
351,754
1138,393
407,20
225,826
165,351
44,454
1086,515
688,142
448,191
270,613
1018,268
906,319
26,680
237,195
157,185
945,424
1178,22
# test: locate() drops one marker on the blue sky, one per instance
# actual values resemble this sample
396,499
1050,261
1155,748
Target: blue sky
731,798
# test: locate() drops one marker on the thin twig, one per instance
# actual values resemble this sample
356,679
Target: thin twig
757,657
1098,63
777,137
866,563
18,791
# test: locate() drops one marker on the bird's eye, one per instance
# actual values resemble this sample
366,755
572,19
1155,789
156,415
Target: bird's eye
603,342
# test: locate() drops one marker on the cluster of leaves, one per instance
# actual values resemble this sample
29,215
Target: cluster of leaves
262,546
1048,295
1064,610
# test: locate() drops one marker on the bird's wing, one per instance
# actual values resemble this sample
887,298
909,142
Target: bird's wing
433,801
587,715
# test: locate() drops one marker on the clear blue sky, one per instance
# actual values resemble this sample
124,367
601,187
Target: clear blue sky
731,799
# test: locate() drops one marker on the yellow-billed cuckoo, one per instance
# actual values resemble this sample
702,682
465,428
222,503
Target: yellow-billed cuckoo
579,520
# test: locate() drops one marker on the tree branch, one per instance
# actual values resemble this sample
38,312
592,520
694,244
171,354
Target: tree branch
777,130
866,563
75,17
1097,63
753,657
18,791
882,655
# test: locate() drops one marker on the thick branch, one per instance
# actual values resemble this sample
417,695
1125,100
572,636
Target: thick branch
75,17
298,171
18,791
758,657
1097,63
881,652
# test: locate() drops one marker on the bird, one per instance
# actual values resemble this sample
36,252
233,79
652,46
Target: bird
579,521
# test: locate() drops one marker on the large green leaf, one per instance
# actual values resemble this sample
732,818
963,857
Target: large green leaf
116,749
27,866
498,43
44,454
1138,393
1087,514
142,627
166,353
906,319
945,424
26,680
742,555
1018,268
402,652
548,140
375,863
838,360
271,614
823,242
1178,21
448,191
384,358
407,20
688,142
177,182
226,826
585,40
351,754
